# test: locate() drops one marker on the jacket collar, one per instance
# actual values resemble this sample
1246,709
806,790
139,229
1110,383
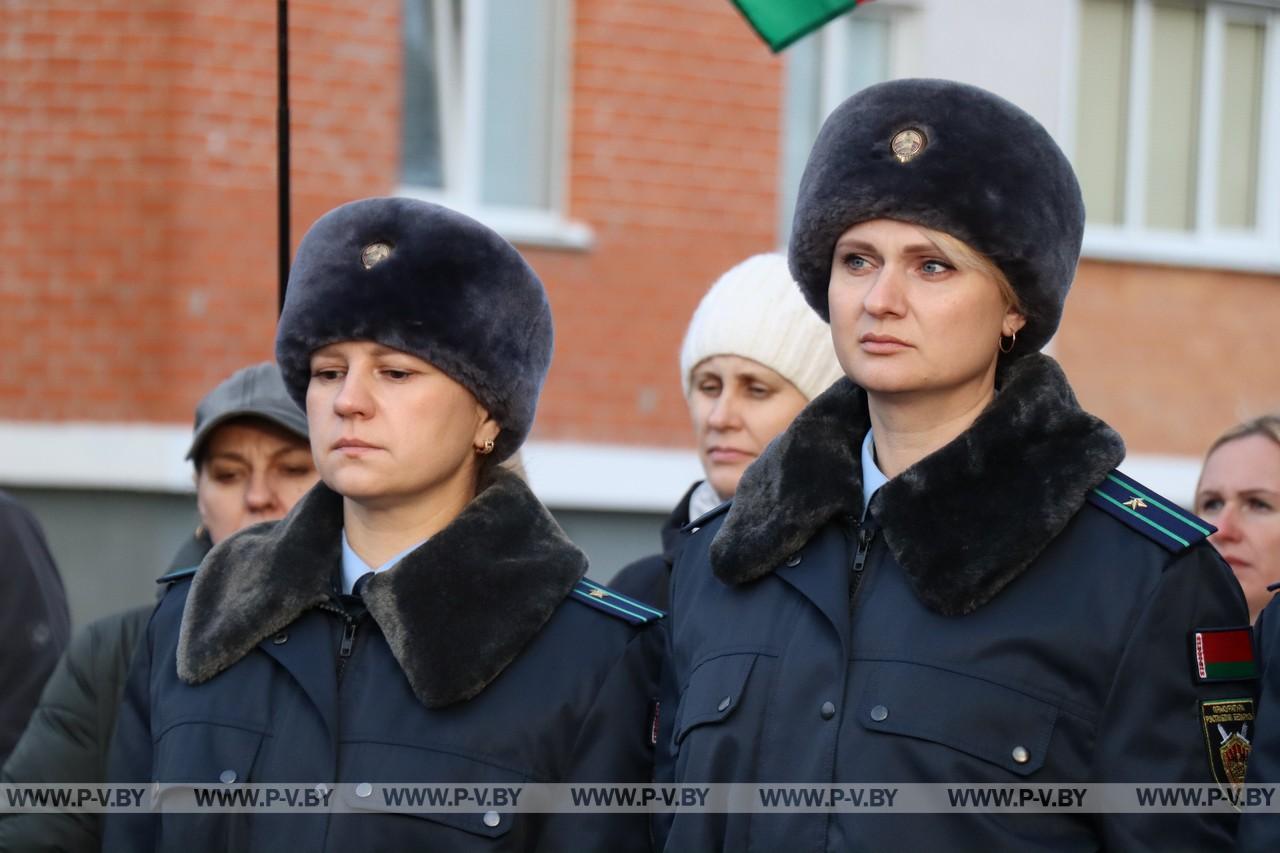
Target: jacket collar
963,522
455,612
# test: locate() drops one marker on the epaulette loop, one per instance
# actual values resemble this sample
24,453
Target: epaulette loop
615,603
1156,517
177,575
707,517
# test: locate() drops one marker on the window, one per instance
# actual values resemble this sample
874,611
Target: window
823,69
1178,130
485,107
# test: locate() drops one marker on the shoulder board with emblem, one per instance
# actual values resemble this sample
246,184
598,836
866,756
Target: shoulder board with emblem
707,517
614,603
177,575
1158,518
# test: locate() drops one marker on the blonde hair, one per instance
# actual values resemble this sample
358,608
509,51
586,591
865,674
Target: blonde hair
971,260
1267,425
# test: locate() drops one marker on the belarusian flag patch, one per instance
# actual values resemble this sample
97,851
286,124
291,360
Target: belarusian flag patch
1223,654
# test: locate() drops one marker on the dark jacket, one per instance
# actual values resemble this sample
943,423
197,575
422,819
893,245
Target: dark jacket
33,611
477,661
1260,831
649,578
70,729
988,622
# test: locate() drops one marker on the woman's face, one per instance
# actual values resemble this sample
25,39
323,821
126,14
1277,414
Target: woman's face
388,428
737,406
1239,493
905,319
250,471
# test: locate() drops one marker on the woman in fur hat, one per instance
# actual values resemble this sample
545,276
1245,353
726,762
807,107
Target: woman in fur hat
936,574
753,356
418,617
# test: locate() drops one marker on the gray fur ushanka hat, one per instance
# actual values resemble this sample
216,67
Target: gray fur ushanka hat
421,278
953,158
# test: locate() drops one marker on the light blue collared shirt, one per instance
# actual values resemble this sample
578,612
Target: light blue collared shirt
872,477
354,568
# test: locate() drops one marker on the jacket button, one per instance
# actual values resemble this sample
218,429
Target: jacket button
227,777
492,819
364,789
280,639
879,713
793,560
828,710
724,703
1020,755
694,529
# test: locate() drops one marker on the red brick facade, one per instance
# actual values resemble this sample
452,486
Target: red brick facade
138,210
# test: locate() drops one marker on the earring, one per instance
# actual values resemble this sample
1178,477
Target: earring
487,448
1013,339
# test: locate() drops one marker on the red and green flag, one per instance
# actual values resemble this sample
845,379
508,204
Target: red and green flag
780,22
1223,654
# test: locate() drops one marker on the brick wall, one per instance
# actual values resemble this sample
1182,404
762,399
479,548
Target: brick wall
137,215
137,199
1171,357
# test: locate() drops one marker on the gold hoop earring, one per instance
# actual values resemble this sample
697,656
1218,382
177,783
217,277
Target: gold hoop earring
487,448
1013,339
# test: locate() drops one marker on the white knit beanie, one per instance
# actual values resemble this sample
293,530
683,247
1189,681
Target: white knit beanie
756,311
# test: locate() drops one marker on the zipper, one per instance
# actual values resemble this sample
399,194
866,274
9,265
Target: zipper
866,534
348,637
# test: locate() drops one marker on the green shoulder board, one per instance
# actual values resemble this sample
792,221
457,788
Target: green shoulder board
614,603
1148,513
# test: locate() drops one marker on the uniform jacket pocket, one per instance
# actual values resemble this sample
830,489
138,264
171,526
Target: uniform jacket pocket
989,721
415,766
206,752
713,693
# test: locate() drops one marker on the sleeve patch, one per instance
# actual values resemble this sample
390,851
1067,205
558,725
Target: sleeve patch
1223,654
614,603
1156,517
1227,734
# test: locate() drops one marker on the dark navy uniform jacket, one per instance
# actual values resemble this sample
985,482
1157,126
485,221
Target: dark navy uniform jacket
482,658
993,619
1260,831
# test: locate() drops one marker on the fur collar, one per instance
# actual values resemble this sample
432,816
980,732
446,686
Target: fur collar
455,611
962,522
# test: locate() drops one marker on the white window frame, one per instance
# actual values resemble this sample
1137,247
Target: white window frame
1207,245
462,118
832,74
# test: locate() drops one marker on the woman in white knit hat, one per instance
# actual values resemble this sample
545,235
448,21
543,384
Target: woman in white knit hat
754,355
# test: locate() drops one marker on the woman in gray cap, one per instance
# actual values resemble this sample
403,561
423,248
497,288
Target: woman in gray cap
419,617
936,574
252,463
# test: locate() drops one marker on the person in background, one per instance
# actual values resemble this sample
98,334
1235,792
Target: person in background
420,616
252,464
936,574
754,355
34,615
1239,493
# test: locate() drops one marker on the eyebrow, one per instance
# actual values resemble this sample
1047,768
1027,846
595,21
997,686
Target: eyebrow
228,455
913,249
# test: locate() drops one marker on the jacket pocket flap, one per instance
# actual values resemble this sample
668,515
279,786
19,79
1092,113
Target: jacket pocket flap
983,719
403,800
206,752
713,693
419,778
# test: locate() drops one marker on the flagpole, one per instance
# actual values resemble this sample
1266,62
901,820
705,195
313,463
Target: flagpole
282,142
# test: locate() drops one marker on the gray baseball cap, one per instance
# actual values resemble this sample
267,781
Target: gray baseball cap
251,392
